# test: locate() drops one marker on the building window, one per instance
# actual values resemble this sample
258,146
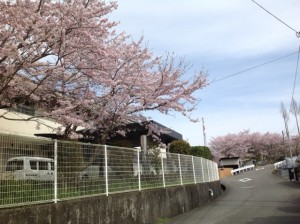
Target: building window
24,109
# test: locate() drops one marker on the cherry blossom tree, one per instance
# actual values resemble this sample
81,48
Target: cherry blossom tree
41,41
258,146
137,82
67,58
272,147
295,142
225,146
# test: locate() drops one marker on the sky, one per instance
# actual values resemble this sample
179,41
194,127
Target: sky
223,38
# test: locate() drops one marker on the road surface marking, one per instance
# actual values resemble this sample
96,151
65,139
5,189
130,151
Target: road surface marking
245,180
260,168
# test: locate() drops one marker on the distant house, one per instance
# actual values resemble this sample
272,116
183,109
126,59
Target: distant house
232,162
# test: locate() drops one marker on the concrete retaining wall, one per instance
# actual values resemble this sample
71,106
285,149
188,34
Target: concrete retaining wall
138,207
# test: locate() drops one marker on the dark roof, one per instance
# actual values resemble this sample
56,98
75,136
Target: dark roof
171,133
136,130
49,135
133,131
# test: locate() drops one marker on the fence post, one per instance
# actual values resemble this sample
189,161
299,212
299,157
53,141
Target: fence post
55,170
194,169
139,169
202,170
217,172
212,171
163,170
106,172
180,169
209,171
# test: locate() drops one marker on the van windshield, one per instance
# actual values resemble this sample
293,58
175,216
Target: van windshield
14,165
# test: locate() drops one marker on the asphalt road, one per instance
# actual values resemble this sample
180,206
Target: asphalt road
254,197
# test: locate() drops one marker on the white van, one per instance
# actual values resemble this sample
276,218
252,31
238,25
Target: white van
30,168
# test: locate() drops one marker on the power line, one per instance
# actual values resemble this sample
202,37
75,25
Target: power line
254,67
297,33
295,80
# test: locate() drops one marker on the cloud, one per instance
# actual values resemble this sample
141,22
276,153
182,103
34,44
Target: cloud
222,27
224,37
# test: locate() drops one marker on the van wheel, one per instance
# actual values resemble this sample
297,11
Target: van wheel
85,177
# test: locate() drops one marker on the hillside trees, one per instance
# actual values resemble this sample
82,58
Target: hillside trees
183,147
67,58
258,146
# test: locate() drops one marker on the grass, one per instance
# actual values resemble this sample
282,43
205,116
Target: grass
163,221
19,192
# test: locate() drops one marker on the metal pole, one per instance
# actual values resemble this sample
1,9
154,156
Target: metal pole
202,170
194,169
106,170
163,170
55,170
139,169
204,135
211,171
180,169
208,170
217,171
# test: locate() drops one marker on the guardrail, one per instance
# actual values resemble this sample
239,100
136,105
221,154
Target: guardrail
280,164
242,169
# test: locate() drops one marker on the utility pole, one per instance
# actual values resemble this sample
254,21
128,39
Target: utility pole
204,134
289,143
286,119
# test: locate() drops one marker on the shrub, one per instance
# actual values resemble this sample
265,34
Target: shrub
201,151
180,146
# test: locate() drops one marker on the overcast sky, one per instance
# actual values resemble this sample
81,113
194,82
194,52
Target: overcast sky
224,38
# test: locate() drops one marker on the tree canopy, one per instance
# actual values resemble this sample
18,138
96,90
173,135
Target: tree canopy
201,151
258,146
67,58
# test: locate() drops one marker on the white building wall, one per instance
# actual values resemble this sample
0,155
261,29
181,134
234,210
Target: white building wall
27,128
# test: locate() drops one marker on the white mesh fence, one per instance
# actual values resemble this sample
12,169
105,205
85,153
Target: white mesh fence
24,180
41,170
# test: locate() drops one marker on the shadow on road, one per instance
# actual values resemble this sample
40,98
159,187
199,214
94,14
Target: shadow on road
290,184
275,220
295,208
